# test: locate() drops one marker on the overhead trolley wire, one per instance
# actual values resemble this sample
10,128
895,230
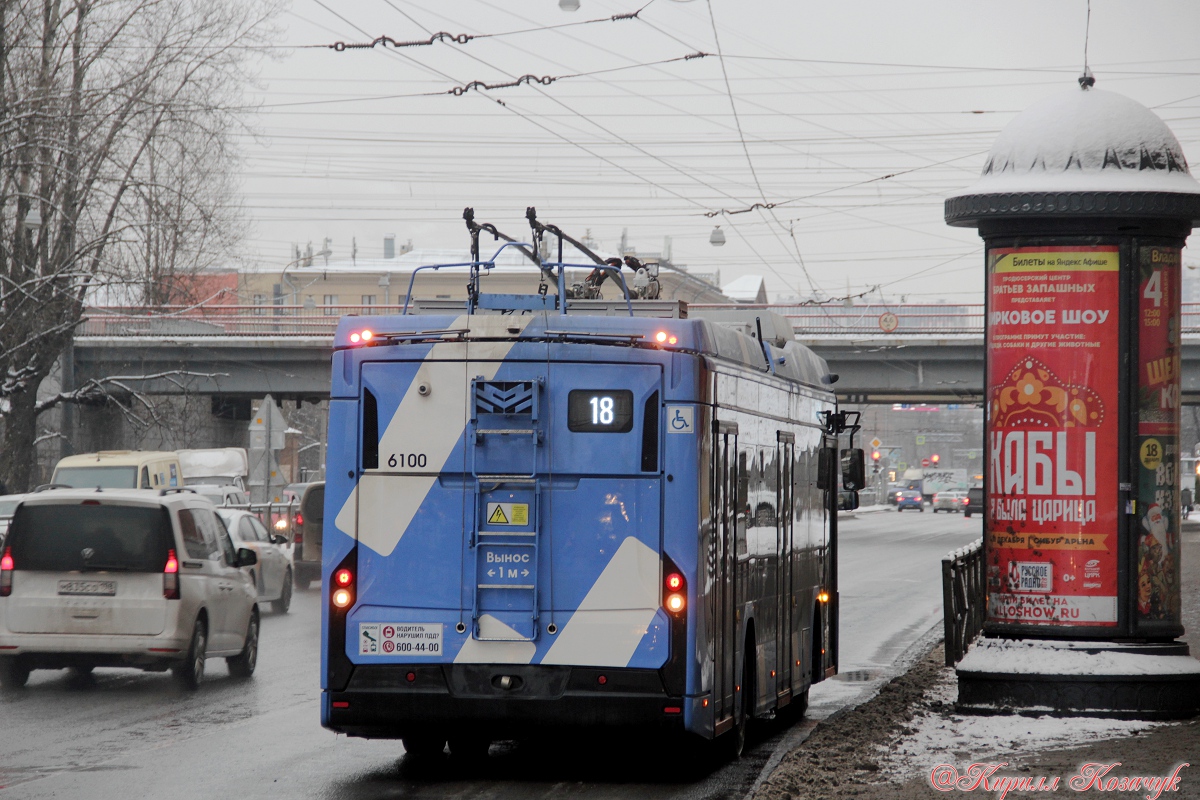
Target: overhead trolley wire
458,91
532,120
464,38
764,205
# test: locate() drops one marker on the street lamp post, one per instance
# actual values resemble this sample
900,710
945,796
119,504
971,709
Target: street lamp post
283,278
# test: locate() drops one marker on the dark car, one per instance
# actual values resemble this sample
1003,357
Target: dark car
974,501
307,537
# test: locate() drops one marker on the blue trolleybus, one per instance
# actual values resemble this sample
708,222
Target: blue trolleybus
541,517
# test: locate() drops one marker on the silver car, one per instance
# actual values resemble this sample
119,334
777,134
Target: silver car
124,578
274,572
951,501
221,494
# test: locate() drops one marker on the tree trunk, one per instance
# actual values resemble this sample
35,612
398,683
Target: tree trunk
18,462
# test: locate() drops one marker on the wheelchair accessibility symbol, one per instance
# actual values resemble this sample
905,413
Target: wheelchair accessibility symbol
681,419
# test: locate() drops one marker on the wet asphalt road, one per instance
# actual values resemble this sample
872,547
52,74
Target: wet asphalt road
128,734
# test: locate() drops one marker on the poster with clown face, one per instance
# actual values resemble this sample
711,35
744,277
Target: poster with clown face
1157,509
1050,520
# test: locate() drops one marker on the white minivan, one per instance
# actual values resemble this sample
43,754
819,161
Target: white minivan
123,578
120,469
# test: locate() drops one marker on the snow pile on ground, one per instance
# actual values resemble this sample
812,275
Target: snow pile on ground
1040,657
936,735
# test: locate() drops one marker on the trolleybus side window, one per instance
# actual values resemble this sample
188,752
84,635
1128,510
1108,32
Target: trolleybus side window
650,434
370,431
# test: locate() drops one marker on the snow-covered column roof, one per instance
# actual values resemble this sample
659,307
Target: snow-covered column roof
1081,153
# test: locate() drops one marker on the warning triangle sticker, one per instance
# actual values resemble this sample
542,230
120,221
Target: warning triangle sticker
497,517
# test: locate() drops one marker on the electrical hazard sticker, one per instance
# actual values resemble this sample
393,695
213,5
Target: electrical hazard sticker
399,639
507,513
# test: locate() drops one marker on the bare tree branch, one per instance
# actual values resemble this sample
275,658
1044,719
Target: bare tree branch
118,121
98,388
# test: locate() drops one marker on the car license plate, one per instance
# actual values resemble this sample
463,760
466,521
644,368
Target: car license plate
108,588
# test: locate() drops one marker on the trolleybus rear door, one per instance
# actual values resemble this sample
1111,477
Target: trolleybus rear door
724,543
785,626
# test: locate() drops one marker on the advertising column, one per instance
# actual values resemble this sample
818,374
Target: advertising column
1052,435
1157,503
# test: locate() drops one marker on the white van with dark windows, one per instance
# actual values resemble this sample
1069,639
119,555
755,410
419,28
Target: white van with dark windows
123,578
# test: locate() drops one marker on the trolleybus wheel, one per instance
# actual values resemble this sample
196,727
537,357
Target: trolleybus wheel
735,740
424,745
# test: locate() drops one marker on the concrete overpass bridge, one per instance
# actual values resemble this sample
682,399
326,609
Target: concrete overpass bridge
883,354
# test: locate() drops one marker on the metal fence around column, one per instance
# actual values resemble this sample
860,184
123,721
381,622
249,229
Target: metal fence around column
963,598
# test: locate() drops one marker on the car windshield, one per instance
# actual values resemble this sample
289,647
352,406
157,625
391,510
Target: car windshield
104,477
64,538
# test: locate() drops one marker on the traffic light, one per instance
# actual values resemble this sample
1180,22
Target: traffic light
874,455
935,458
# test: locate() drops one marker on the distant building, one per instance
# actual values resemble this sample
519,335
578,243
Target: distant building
356,286
747,289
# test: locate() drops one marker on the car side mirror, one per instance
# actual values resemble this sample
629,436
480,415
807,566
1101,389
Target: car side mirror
854,472
246,557
278,538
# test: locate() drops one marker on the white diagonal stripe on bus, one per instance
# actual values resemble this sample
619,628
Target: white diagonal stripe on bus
431,425
609,624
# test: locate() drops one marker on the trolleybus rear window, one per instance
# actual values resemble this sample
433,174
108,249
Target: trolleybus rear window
600,410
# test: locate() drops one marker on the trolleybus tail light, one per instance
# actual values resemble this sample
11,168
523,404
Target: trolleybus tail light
672,710
341,703
823,597
675,596
603,679
361,337
662,337
6,571
171,577
343,593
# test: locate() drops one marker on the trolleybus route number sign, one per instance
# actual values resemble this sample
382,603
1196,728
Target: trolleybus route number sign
400,638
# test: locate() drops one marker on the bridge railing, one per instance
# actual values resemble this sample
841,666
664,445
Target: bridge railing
930,319
824,321
216,320
963,598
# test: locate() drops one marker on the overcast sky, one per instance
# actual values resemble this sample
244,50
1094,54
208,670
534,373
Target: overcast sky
831,99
